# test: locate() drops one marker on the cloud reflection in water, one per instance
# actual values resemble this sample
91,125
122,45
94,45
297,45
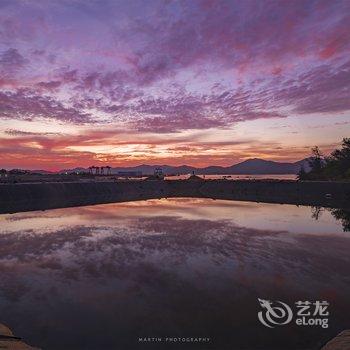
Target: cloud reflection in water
179,267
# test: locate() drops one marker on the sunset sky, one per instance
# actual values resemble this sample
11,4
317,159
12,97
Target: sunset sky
129,82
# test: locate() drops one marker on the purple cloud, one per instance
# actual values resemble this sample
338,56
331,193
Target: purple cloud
50,85
26,105
322,89
12,59
171,66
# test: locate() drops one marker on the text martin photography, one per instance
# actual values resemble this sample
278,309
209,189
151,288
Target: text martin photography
175,174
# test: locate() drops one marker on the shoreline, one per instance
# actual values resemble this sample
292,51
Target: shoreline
50,195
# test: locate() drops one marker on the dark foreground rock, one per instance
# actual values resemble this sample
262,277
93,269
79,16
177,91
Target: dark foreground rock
340,342
9,341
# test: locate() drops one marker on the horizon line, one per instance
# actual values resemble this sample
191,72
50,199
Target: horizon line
152,165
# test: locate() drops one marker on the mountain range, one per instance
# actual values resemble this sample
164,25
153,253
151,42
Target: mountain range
253,166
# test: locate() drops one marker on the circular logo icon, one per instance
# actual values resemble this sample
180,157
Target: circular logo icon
275,313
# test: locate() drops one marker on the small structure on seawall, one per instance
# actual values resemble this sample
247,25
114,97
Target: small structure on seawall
194,177
157,175
11,342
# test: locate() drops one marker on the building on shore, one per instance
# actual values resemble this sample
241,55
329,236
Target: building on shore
157,175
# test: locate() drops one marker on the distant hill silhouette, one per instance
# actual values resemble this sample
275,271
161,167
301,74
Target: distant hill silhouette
253,166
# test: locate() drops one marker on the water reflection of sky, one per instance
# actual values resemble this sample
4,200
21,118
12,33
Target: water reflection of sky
189,267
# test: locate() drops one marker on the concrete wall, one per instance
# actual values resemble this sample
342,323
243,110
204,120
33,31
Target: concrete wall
37,196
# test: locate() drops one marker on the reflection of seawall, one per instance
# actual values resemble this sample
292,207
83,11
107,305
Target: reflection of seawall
26,197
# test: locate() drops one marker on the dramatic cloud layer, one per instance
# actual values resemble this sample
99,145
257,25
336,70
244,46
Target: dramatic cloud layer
172,67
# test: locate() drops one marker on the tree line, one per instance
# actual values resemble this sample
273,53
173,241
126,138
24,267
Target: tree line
328,168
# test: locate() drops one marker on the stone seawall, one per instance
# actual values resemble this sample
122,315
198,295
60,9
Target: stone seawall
41,196
285,192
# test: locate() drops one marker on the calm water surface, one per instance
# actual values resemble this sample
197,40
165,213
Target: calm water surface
100,277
